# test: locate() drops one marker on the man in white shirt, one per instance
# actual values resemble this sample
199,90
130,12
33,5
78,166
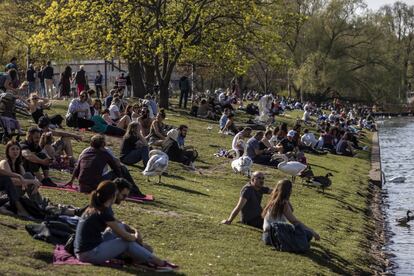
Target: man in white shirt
309,139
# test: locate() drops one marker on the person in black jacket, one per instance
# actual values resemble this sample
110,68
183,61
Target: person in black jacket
47,75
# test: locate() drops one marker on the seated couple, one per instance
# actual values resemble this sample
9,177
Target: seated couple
101,237
278,208
92,167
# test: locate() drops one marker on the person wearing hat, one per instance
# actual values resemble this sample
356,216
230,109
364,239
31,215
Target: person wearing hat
287,144
175,153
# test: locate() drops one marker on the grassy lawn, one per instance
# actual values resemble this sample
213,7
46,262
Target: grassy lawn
183,225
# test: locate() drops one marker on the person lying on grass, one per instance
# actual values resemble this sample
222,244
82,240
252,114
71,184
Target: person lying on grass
250,202
91,167
91,246
279,209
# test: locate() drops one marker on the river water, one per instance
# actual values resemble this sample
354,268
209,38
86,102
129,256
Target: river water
396,137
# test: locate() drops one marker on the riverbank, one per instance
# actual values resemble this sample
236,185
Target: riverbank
183,222
378,237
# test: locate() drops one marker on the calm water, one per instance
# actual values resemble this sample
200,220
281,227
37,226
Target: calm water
397,158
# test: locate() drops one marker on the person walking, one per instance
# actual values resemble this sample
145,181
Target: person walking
98,85
42,89
184,85
81,79
64,83
48,77
31,79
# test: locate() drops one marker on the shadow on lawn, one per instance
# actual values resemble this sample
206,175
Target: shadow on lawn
182,189
328,259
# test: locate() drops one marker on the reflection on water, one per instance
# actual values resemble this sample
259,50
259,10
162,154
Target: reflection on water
397,159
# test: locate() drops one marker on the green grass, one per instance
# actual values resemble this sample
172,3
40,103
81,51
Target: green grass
183,223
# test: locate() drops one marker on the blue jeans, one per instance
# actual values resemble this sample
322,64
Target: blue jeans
112,248
136,155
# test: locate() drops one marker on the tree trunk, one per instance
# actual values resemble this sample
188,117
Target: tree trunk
137,81
150,79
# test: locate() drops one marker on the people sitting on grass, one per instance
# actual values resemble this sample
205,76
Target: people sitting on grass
249,204
309,139
13,163
265,142
33,157
279,209
176,153
227,125
79,112
90,167
145,121
239,143
157,133
134,147
279,134
60,148
204,110
36,107
90,245
288,144
256,153
101,126
344,146
116,117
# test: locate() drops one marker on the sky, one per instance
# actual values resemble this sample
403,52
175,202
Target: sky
375,4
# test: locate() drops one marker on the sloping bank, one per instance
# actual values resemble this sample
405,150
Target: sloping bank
380,261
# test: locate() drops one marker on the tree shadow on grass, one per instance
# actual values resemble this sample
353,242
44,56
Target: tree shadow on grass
182,189
322,167
324,257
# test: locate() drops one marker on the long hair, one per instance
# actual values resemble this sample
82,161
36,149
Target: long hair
278,199
68,72
106,190
131,130
18,161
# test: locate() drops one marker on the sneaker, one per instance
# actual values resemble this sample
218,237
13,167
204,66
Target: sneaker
191,166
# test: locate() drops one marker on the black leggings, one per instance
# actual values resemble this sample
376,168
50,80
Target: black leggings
75,121
115,131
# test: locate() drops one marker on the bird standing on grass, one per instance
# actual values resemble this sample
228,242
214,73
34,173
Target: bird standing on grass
157,164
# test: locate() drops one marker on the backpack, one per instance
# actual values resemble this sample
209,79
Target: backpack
7,105
55,232
290,238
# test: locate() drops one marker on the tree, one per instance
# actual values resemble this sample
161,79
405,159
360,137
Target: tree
155,32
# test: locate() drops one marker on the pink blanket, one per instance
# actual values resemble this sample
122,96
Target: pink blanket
62,257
